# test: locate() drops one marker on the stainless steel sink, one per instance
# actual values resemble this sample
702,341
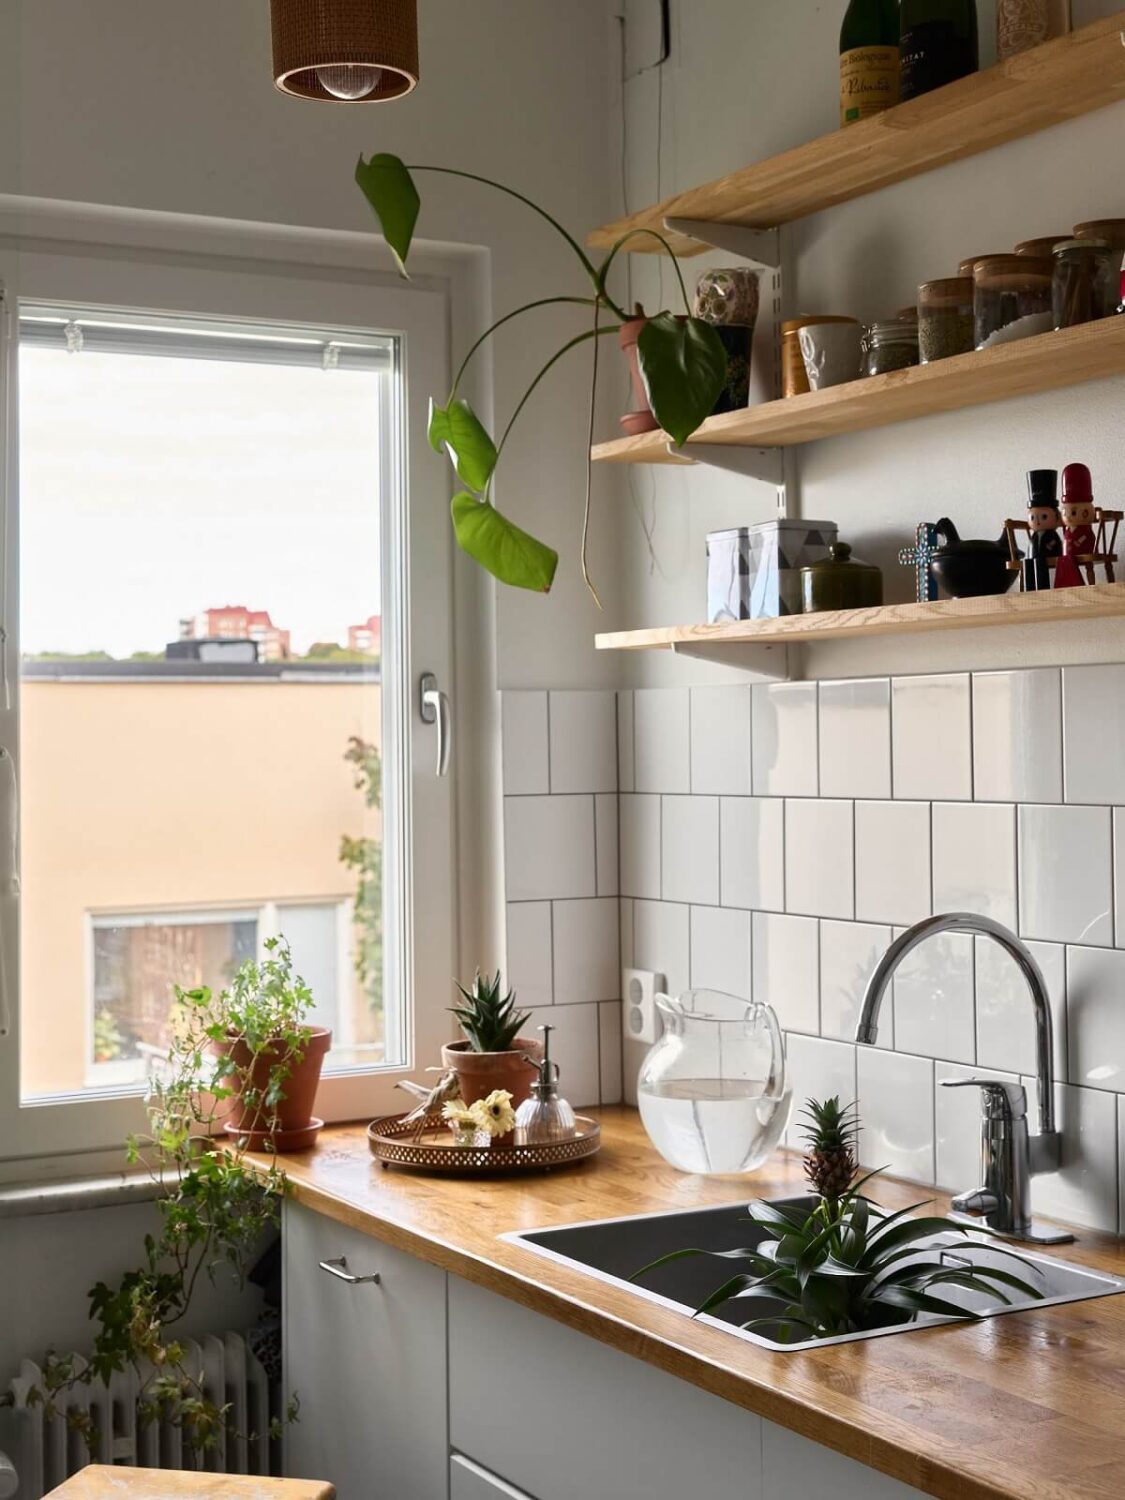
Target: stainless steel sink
613,1249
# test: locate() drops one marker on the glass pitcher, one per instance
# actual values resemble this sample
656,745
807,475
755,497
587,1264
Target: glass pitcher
713,1092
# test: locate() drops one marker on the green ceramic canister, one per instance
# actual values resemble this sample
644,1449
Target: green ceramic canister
840,582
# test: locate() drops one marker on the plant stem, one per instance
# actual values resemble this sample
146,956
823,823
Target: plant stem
507,318
622,242
590,462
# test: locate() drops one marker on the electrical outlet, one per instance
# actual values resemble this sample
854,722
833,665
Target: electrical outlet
640,988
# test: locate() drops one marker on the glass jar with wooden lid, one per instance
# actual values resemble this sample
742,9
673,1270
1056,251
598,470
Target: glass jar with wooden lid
1110,230
1042,248
945,318
1085,282
1011,298
794,379
965,268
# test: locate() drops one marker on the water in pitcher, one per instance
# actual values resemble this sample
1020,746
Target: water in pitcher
713,1125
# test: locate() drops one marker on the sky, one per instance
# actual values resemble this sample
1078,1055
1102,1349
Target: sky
154,488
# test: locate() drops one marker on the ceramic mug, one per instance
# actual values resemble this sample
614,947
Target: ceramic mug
831,352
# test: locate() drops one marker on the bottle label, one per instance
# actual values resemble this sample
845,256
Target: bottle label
934,53
868,82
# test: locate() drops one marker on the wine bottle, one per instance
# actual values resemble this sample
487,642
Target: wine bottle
939,42
869,59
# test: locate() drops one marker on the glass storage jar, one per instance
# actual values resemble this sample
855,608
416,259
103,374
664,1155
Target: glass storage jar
1110,230
1084,284
1011,298
1042,248
891,345
945,318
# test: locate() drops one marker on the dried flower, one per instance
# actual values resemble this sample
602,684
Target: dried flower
495,1114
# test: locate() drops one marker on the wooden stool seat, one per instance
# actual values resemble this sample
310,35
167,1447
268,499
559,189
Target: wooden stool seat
115,1482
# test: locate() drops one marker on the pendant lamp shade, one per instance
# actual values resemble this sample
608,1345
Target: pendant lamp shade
345,51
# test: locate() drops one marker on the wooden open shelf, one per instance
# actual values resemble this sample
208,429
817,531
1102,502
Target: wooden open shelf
1092,602
1043,363
1057,81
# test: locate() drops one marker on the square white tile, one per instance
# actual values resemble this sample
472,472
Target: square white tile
720,949
524,740
1093,732
1065,876
625,736
720,741
605,841
1084,1190
690,849
819,858
957,1114
574,1046
931,737
628,960
896,1106
786,969
933,988
662,942
1017,736
529,971
583,741
892,861
662,740
549,847
855,738
849,952
610,1044
587,963
783,730
817,1069
639,825
1005,1019
752,846
1095,1010
974,859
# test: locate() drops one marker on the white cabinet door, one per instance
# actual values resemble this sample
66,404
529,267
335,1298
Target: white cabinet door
468,1481
797,1469
368,1363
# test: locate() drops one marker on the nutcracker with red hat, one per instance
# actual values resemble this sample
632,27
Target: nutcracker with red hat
1079,538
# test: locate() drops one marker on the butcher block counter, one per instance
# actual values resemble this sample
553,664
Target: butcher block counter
1027,1406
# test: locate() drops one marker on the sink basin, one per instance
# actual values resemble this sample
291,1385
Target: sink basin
613,1249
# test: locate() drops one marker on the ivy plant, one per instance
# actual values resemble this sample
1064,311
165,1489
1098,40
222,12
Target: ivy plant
682,363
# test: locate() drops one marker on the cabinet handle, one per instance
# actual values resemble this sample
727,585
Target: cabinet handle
339,1269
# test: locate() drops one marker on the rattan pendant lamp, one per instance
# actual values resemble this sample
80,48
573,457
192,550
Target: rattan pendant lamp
345,51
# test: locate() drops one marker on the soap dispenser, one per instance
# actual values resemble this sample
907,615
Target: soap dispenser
545,1118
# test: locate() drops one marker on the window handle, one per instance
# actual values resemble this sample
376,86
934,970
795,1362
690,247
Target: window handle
433,705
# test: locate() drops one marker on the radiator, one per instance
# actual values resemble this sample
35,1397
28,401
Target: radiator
45,1451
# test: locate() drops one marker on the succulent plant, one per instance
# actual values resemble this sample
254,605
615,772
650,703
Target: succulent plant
490,1023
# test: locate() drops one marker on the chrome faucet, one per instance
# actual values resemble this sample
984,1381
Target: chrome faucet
1010,1157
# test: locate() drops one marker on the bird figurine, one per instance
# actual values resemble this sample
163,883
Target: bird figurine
430,1100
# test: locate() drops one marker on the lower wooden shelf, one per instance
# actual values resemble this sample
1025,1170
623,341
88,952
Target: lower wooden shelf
1092,602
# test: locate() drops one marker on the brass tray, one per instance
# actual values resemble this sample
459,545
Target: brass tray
396,1144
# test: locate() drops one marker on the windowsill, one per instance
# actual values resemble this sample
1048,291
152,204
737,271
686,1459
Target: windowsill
71,1195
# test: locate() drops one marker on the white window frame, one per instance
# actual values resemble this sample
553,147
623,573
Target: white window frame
113,258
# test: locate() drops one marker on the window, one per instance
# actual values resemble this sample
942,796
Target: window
218,648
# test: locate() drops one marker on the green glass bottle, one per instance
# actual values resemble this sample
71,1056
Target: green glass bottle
939,42
869,59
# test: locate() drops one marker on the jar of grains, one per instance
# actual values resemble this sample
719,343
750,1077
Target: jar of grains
1084,285
1011,298
945,318
891,345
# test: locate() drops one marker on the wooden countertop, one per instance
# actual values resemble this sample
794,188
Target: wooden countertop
1025,1407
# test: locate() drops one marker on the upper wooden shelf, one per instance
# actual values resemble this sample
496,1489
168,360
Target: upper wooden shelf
1052,83
1043,363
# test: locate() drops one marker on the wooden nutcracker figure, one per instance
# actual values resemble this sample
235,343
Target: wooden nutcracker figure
1043,522
1078,517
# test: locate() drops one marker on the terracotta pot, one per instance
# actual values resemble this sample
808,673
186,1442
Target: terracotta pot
640,419
296,1125
481,1072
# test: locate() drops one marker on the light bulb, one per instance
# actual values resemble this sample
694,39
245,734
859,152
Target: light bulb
349,80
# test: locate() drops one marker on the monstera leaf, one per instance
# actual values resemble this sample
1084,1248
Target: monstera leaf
459,430
508,553
683,365
389,188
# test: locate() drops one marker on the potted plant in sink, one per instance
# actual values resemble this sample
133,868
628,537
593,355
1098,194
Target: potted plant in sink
492,1056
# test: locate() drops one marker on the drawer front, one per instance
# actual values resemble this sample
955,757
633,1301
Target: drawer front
367,1361
560,1415
468,1481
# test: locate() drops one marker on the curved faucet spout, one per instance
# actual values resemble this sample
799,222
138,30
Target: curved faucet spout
960,921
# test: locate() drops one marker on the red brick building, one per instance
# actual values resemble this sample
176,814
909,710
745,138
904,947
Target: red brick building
368,637
234,622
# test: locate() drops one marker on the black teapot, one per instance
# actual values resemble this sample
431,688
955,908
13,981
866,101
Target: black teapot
967,569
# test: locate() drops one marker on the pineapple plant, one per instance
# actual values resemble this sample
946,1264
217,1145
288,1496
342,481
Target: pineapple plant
490,1022
832,1134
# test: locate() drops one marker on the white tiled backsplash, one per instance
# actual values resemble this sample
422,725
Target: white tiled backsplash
772,840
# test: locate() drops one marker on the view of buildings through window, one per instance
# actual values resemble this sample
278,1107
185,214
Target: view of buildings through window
200,692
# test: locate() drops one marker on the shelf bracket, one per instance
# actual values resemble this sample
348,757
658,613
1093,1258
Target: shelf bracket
761,246
769,662
764,464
